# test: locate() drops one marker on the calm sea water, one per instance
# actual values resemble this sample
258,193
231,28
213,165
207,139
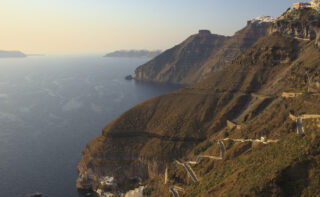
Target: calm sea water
50,108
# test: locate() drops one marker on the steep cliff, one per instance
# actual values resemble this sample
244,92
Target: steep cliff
148,138
289,167
200,55
299,23
180,63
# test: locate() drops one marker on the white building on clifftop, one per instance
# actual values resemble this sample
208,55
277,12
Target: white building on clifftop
264,19
315,4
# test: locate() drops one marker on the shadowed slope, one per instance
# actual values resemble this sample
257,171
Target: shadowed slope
145,138
200,55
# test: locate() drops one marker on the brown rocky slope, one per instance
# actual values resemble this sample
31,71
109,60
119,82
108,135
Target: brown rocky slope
180,63
150,136
200,55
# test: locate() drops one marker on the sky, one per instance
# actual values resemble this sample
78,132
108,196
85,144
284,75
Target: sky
100,26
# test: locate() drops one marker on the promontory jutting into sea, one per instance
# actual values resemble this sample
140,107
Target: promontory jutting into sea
234,111
218,114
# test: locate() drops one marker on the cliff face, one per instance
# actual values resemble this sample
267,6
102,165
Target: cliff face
200,55
235,46
142,141
275,64
180,63
301,24
146,139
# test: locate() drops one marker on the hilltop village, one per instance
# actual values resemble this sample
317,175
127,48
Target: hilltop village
314,4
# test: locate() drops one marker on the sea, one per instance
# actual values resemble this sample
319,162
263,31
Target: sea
51,107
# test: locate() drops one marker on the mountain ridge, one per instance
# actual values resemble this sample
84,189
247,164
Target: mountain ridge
186,123
183,64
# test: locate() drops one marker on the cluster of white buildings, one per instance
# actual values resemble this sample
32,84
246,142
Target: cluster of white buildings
263,19
105,181
101,193
110,181
138,192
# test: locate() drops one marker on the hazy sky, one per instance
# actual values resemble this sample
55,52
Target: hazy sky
99,26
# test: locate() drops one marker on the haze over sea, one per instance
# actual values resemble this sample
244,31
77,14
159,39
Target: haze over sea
51,107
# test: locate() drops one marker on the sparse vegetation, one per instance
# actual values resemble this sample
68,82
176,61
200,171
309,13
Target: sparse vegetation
226,134
203,148
177,125
255,171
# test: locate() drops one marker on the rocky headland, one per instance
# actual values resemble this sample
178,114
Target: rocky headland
238,80
201,54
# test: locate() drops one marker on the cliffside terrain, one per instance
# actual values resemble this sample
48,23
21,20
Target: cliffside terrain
301,24
180,63
200,55
147,140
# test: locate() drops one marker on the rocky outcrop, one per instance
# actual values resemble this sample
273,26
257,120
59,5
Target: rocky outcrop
138,192
201,54
233,47
181,63
204,53
299,23
315,4
128,77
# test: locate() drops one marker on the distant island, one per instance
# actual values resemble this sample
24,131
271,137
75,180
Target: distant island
36,54
134,53
11,54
